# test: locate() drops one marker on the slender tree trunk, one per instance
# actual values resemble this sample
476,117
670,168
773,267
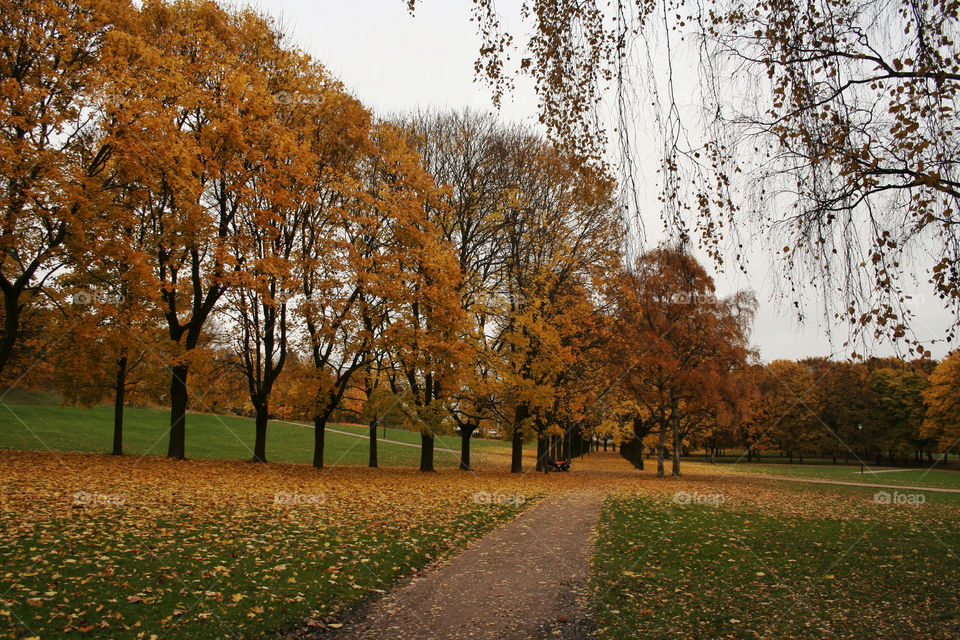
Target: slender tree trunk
178,412
319,430
675,471
261,415
661,444
118,400
373,444
426,452
516,453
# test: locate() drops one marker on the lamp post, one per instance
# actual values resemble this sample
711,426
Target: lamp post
860,434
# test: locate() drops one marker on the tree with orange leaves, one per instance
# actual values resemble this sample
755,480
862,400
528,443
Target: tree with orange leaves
676,344
54,165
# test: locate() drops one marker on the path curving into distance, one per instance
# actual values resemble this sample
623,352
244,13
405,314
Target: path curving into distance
522,581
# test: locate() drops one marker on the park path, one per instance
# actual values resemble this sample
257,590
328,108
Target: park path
856,484
523,581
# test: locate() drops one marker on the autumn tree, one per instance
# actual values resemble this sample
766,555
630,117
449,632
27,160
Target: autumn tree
104,349
691,341
942,399
293,150
899,410
54,163
189,101
357,254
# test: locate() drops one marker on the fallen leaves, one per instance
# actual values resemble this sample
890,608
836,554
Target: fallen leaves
206,543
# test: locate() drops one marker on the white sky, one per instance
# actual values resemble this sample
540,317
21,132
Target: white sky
394,63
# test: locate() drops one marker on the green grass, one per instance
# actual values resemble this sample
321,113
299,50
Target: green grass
445,441
44,426
934,478
664,570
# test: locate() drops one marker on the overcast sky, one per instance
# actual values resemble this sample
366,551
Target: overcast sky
395,63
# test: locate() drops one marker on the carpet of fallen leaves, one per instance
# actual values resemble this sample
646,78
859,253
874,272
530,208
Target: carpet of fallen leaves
720,557
100,546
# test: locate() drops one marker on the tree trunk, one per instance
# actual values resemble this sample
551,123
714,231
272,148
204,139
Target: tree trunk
178,412
319,430
466,433
661,445
373,444
260,443
11,324
516,453
543,450
120,388
426,452
675,471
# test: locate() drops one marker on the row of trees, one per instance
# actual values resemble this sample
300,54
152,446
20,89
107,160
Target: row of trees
189,198
197,214
881,410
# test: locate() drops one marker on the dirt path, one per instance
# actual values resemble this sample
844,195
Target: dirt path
525,580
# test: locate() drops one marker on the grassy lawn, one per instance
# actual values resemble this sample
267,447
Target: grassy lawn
445,441
896,476
43,426
97,546
741,560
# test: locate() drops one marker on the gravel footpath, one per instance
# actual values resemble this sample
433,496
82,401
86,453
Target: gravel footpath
523,581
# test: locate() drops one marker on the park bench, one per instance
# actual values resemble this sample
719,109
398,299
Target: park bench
558,465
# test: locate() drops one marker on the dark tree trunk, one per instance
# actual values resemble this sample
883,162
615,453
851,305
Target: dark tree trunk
542,452
516,453
11,324
178,412
120,388
661,445
372,462
426,452
319,431
260,443
466,433
675,470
